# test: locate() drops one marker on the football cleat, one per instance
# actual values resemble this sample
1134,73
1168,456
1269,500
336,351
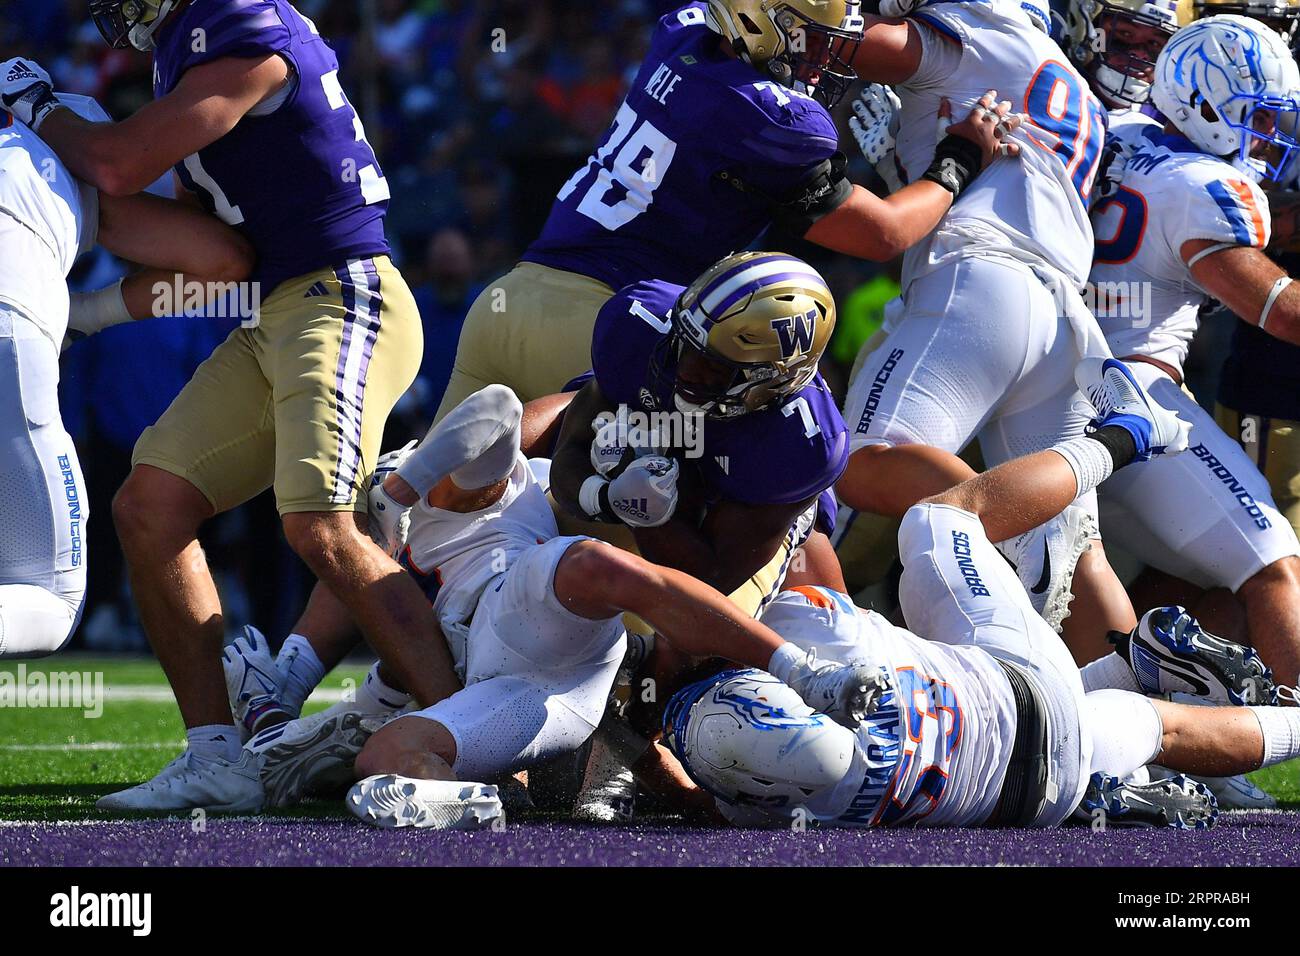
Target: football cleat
847,693
312,753
188,783
1178,802
1045,560
1120,400
1170,653
1231,793
390,801
608,791
253,682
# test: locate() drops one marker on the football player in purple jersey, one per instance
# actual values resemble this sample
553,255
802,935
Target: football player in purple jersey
250,114
724,132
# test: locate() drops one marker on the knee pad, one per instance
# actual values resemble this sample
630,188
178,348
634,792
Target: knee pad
1126,731
34,622
750,740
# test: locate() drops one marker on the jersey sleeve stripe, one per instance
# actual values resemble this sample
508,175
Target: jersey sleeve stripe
1247,198
1231,203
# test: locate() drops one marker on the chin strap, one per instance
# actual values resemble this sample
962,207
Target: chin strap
141,35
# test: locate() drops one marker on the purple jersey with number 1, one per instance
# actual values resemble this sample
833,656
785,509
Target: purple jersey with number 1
648,203
301,183
793,451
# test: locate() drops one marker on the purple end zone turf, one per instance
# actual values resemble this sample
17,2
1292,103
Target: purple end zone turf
1251,839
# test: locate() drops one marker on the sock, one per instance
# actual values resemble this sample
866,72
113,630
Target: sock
304,673
1109,673
1281,729
214,742
784,660
476,444
376,697
1090,460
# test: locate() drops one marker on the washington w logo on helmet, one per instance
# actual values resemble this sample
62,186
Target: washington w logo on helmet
795,333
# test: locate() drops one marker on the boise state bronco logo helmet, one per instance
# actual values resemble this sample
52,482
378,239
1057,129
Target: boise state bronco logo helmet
1227,83
130,22
746,334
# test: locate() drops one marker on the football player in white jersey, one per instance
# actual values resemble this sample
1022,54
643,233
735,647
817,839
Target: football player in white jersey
990,323
979,715
1114,44
536,645
1186,225
47,219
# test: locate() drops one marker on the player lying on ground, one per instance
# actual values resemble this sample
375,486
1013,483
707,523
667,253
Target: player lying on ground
695,393
533,620
47,219
979,715
250,115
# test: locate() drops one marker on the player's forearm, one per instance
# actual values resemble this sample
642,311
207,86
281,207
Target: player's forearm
698,620
869,227
571,463
105,155
175,237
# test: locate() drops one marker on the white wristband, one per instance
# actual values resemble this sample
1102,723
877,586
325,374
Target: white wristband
1273,294
589,495
91,312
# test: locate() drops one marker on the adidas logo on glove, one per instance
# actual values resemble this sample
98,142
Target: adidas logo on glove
21,71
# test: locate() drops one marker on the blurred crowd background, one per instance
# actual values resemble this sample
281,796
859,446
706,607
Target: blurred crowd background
478,110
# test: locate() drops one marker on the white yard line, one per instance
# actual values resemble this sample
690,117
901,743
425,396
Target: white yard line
153,693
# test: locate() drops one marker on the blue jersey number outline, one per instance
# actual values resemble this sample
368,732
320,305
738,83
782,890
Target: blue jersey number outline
1058,102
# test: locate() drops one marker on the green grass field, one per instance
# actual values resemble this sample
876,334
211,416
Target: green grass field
55,761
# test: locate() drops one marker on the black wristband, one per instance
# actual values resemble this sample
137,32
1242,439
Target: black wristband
1119,442
956,163
607,513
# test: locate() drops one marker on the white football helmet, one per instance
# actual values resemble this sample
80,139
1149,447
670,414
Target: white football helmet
751,741
1226,82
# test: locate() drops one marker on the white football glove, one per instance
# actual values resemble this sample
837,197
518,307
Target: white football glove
390,521
874,125
615,440
27,92
1110,172
645,496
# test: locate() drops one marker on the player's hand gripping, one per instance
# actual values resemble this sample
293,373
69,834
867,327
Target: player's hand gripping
874,125
645,495
27,92
616,443
988,125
